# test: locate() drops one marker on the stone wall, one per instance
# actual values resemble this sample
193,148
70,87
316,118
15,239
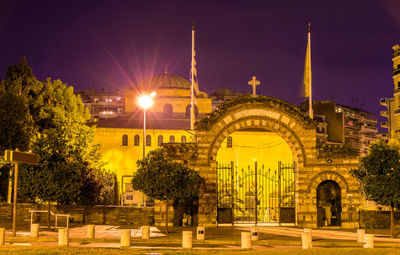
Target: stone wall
377,219
109,215
299,133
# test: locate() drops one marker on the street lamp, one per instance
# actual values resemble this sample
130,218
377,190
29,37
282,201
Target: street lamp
145,101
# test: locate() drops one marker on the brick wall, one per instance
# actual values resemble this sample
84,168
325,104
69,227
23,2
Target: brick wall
110,215
377,219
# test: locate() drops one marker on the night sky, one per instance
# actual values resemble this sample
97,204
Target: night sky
115,44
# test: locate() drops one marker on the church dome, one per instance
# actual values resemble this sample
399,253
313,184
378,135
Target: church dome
168,81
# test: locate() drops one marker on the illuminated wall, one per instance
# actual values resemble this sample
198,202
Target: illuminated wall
266,147
122,159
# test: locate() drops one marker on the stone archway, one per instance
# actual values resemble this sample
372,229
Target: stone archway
329,205
266,113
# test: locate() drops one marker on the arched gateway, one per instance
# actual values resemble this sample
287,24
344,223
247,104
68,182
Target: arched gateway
298,131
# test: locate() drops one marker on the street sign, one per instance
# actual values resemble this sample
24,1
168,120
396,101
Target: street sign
18,157
21,157
7,155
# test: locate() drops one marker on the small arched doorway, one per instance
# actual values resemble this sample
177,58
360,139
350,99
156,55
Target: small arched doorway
329,207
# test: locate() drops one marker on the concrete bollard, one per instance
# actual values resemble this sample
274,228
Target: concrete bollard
187,239
146,232
360,235
306,239
125,238
35,230
369,241
245,240
254,233
2,236
201,233
91,232
63,237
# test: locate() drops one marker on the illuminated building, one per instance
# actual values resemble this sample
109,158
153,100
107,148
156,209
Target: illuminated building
392,112
344,124
257,156
103,105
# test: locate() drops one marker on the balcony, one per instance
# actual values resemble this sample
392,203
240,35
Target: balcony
396,111
395,53
383,101
384,124
384,114
396,71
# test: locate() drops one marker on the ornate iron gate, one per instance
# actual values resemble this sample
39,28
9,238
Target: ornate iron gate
255,194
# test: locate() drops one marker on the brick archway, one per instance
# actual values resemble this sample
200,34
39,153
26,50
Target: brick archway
267,113
328,176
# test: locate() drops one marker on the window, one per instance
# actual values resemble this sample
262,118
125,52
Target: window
229,142
125,140
167,110
183,139
196,111
136,140
172,139
148,140
160,140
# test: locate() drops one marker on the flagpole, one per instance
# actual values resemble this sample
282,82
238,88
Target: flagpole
310,109
192,117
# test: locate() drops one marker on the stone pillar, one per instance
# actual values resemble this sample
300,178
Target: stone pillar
369,241
125,238
91,232
35,230
63,237
145,232
254,233
245,240
201,233
2,236
306,239
360,235
187,239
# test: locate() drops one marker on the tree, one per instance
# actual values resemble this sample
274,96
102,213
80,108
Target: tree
17,129
158,177
70,165
379,176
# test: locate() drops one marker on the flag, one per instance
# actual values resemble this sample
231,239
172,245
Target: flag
194,86
307,80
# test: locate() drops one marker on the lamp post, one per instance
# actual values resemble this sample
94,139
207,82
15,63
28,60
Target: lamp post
145,101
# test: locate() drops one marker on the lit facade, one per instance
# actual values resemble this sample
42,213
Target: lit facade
102,105
392,112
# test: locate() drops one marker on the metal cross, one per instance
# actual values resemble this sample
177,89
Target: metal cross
254,83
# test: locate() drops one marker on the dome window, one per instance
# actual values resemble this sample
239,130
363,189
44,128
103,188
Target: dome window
196,111
167,111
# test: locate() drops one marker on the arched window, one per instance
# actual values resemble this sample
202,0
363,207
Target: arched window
125,140
183,139
148,140
196,111
136,140
172,139
167,110
160,140
229,142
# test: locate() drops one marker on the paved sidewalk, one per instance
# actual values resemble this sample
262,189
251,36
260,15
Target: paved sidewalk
222,238
319,233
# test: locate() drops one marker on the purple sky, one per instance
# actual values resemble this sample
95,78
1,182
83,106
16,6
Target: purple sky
111,43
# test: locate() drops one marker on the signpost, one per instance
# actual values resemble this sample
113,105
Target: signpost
18,157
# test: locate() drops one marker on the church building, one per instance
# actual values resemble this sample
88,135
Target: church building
257,155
